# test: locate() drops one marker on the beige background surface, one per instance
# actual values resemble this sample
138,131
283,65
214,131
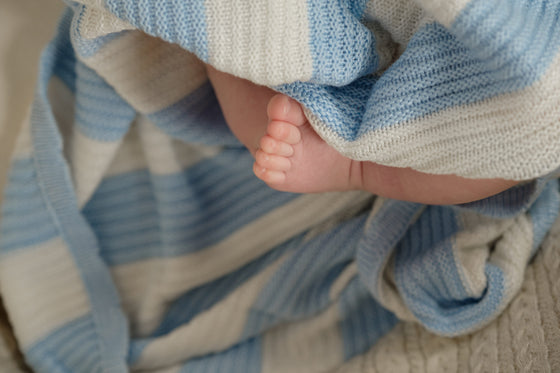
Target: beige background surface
25,27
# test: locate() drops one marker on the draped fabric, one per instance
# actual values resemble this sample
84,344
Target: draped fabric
134,235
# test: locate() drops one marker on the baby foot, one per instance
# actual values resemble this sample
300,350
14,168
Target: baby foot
293,158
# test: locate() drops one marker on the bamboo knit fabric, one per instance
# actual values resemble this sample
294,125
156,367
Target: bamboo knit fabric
135,237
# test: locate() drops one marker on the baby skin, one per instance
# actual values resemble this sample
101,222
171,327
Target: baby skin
290,156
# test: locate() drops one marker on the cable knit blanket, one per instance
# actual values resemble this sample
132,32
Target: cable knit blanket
134,235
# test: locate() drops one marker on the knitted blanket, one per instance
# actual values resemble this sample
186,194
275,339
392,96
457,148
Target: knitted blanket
134,235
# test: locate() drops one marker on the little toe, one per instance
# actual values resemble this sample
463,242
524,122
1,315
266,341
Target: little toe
284,108
269,176
284,131
272,146
272,162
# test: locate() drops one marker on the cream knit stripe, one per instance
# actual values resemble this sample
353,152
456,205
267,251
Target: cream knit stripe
227,318
547,281
130,155
181,274
89,160
401,18
526,329
265,41
23,147
312,345
42,290
473,246
148,72
445,11
96,22
473,141
166,156
131,282
63,110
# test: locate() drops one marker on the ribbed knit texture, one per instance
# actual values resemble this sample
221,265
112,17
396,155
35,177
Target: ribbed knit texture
134,235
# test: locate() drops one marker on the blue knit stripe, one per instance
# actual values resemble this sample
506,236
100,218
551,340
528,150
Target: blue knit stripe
544,212
425,265
71,348
300,287
515,39
342,48
176,21
194,209
381,236
459,318
363,320
196,118
101,114
53,176
429,281
65,68
26,220
510,202
196,301
342,105
441,69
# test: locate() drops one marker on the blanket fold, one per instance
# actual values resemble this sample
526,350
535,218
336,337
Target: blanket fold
134,235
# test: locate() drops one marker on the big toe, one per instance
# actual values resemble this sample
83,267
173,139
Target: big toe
286,109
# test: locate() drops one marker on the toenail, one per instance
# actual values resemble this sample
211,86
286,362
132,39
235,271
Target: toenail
287,104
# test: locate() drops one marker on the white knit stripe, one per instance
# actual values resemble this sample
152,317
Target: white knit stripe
62,106
310,345
135,61
227,319
166,156
158,149
472,248
62,102
42,290
485,132
445,11
511,254
178,275
145,145
24,144
97,21
129,156
265,41
401,18
89,160
131,282
391,350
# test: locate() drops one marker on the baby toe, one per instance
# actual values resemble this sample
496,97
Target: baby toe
272,162
272,146
284,131
284,108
